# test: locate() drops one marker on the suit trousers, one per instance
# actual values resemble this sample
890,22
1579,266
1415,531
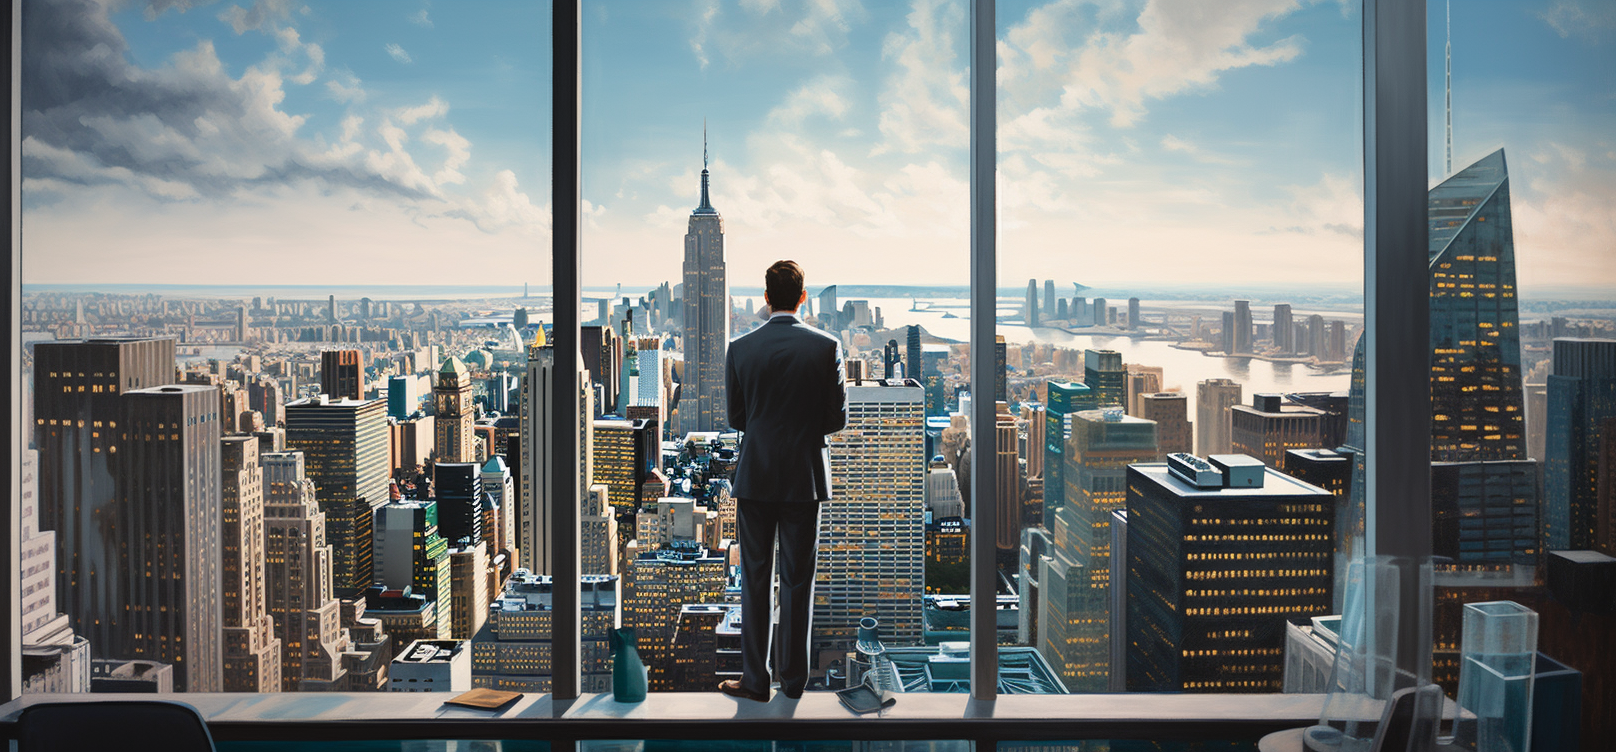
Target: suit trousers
795,525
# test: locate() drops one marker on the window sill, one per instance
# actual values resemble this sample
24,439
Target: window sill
709,715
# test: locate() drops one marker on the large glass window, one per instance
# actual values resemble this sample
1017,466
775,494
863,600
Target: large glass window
283,267
1523,370
717,142
1180,264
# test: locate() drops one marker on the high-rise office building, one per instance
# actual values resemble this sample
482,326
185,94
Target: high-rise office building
166,516
1284,338
1271,426
1007,505
1476,397
512,650
625,452
499,486
345,452
1100,309
342,375
890,361
1226,333
252,654
533,520
1141,380
1074,574
54,658
829,310
913,359
1214,398
459,493
1066,398
1242,326
602,350
598,541
1581,398
468,590
660,582
1216,568
706,330
412,554
298,575
1317,338
454,413
877,522
1170,411
1001,385
75,415
1029,306
933,358
1133,313
1104,373
1048,309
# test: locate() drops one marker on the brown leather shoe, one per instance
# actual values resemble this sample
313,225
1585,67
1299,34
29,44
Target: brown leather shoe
733,688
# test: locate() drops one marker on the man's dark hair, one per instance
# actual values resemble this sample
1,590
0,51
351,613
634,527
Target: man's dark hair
782,285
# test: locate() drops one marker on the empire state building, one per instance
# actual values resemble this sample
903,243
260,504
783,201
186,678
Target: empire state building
706,334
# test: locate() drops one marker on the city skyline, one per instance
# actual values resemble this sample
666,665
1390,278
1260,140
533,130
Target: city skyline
373,127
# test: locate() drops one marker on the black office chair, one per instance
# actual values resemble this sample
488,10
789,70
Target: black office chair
124,726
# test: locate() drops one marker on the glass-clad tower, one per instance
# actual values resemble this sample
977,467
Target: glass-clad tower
1476,396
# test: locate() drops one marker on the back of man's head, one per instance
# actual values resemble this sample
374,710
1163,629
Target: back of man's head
782,285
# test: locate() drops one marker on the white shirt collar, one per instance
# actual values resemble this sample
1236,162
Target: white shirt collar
778,314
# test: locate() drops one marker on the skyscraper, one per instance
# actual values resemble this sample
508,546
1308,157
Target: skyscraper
1581,398
625,452
342,375
1100,312
75,414
706,330
533,520
1271,426
1476,397
1213,400
1133,313
661,581
1008,504
298,574
1066,398
56,659
252,654
1074,577
166,515
451,402
1029,308
1284,339
412,554
1242,326
1170,411
1215,570
1001,386
913,360
344,444
459,489
1105,375
1048,309
877,521
512,650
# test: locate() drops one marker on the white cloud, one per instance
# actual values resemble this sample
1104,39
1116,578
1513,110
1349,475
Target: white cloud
768,29
923,102
398,53
261,14
1590,22
345,88
419,18
434,108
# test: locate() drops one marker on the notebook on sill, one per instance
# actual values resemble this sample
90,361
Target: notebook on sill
485,699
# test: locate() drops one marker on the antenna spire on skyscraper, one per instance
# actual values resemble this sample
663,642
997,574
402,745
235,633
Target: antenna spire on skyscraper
704,144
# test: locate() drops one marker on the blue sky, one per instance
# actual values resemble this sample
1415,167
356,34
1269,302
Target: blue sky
1175,141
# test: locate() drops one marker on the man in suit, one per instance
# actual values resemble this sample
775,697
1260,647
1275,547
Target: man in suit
786,394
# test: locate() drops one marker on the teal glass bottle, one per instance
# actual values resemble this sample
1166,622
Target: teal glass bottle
628,671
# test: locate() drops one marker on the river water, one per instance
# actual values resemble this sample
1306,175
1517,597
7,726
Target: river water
1181,369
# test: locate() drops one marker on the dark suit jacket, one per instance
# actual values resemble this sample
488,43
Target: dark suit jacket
787,393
